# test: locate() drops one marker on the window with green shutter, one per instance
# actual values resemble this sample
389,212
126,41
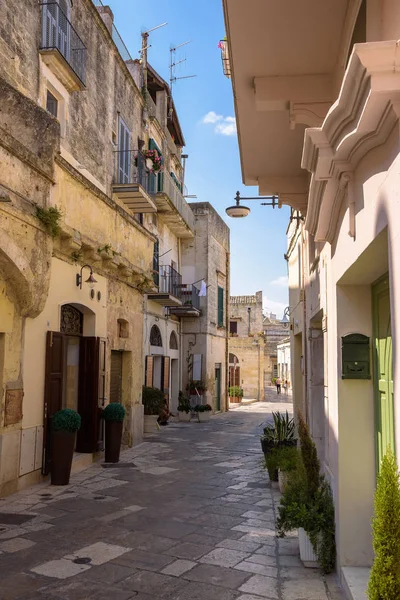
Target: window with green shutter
220,306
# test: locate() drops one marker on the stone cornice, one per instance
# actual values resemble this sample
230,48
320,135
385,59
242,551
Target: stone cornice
361,119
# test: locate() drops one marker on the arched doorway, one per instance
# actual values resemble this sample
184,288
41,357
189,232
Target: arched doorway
234,370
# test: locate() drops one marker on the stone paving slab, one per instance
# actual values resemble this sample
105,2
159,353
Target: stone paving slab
187,515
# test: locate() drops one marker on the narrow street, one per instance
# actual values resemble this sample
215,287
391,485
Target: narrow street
187,515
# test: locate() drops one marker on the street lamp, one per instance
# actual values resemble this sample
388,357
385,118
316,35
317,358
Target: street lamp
90,280
238,211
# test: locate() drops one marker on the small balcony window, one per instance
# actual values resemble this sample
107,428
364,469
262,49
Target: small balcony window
52,104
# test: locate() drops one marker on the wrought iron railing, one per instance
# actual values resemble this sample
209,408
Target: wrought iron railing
58,34
117,39
190,295
226,65
166,185
169,281
130,167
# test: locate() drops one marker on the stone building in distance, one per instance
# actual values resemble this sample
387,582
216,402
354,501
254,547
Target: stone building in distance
247,345
275,330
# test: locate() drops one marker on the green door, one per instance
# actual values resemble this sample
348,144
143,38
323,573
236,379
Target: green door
383,369
217,396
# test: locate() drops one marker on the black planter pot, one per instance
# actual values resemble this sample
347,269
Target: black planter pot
113,441
62,452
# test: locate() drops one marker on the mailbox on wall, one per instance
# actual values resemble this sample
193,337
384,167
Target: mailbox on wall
355,357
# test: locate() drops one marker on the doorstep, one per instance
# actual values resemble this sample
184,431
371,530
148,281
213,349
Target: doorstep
249,400
355,582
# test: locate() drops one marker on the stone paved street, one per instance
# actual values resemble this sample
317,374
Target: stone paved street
187,515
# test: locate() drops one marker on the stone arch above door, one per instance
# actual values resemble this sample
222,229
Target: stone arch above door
71,311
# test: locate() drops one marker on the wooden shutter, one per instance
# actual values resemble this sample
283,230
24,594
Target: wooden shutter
124,158
148,378
220,306
90,376
166,365
116,376
53,390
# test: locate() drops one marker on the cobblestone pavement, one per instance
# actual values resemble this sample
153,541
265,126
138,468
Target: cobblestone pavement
187,515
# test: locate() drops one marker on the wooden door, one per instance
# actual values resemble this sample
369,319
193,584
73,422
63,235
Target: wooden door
91,393
53,390
116,376
383,369
234,376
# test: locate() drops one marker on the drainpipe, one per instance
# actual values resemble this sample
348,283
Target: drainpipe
227,296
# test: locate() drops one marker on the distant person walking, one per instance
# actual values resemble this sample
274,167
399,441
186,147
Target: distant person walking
278,385
285,386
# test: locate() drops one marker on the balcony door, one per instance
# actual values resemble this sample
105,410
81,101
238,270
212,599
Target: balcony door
124,158
56,31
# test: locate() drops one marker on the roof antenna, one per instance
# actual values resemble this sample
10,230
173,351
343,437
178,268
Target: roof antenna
143,52
173,64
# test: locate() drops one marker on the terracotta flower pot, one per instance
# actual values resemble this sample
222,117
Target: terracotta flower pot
62,452
113,441
234,399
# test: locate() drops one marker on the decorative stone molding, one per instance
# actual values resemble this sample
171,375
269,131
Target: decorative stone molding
361,119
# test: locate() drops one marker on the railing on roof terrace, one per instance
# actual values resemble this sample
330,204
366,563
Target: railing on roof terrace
118,41
58,34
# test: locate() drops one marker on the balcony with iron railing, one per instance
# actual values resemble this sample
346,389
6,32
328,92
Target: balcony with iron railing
169,283
190,302
61,48
132,181
169,199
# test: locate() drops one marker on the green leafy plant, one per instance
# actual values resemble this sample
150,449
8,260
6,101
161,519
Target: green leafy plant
202,408
76,255
66,420
282,429
273,380
183,403
50,217
107,249
235,391
196,385
271,463
114,412
307,502
288,458
384,582
152,399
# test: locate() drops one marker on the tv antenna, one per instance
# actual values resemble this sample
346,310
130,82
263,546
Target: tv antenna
174,63
143,51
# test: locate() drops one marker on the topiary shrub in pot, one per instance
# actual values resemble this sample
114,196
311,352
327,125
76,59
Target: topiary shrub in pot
184,408
64,425
384,579
235,394
203,412
113,415
152,399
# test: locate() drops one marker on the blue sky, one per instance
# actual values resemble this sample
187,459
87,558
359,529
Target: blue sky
213,173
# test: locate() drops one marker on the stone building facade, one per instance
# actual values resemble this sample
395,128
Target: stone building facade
247,345
275,330
205,337
79,200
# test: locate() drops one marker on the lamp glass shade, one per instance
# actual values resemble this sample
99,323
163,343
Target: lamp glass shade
237,212
91,281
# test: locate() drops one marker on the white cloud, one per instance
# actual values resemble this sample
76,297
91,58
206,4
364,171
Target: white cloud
211,117
223,125
282,281
277,308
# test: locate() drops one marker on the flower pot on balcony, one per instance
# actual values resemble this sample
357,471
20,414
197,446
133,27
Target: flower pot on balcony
149,164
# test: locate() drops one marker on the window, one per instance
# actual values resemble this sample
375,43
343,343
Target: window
52,104
155,337
220,306
173,341
124,155
232,326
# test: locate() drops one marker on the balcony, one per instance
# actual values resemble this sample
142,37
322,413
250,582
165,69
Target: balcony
169,200
131,181
226,65
190,302
169,283
62,49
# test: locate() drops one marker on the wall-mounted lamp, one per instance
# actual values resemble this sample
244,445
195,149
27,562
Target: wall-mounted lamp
90,280
238,211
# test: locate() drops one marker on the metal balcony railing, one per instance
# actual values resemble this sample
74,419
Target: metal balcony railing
169,281
130,167
167,185
58,34
190,295
226,65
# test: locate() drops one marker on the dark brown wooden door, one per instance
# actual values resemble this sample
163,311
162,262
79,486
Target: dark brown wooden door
91,393
53,390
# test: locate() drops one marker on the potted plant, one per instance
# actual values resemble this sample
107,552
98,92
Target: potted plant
196,387
307,505
287,463
113,415
282,432
235,394
203,412
184,408
154,161
271,463
152,399
64,425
